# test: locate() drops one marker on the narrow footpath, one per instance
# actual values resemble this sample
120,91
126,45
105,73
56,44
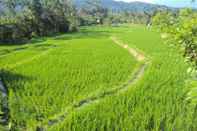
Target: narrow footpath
138,73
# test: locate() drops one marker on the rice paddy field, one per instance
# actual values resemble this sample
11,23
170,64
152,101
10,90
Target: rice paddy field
74,82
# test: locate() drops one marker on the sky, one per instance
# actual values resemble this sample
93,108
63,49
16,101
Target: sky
172,3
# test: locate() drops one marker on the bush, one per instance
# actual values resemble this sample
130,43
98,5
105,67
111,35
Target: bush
182,29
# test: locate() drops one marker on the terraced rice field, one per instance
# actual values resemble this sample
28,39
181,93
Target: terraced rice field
89,81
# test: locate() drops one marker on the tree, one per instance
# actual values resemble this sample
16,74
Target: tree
93,12
11,5
37,11
37,18
182,31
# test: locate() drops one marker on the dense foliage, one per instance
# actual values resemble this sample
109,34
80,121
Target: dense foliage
20,20
24,19
180,29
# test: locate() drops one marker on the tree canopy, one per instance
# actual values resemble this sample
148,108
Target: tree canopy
31,18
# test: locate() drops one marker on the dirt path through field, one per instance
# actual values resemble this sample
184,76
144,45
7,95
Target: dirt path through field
138,55
138,73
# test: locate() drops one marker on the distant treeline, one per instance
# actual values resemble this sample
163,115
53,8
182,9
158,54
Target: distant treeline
180,29
94,13
20,20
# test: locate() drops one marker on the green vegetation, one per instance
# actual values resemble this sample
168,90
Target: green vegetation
59,72
22,20
70,76
157,102
181,30
75,69
93,13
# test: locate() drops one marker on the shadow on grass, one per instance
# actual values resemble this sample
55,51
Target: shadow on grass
4,52
24,42
84,33
43,45
10,78
8,51
8,82
2,43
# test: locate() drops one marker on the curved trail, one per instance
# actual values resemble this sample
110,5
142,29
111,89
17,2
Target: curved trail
138,73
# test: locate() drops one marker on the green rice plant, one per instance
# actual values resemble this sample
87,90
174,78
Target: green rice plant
157,102
78,68
48,82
